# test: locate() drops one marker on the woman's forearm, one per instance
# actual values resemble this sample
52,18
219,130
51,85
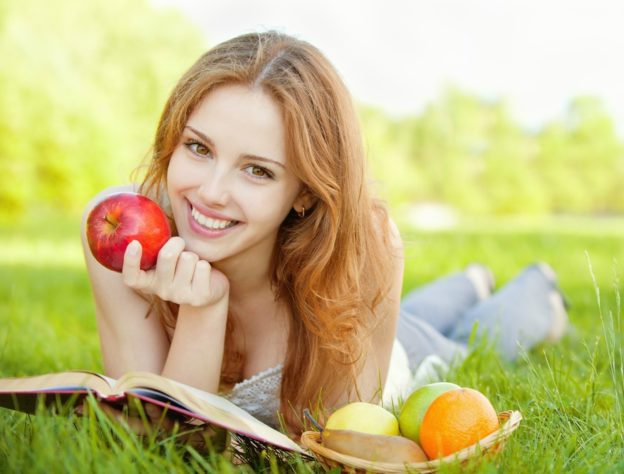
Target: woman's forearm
196,351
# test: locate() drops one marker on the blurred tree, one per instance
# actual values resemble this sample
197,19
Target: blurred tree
462,120
582,160
451,143
386,141
81,89
82,85
469,153
509,180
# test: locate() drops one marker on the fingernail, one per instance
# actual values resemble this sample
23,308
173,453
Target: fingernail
133,248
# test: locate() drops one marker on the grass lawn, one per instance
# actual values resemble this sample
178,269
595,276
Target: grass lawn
571,395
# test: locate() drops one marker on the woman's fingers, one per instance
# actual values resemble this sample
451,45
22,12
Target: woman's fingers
156,418
185,270
153,411
135,423
201,279
156,280
167,263
180,276
203,288
131,269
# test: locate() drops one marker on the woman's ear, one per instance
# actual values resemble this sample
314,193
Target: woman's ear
304,202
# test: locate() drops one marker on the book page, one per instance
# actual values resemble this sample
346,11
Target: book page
209,407
61,381
110,381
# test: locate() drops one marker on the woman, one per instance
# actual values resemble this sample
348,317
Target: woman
281,287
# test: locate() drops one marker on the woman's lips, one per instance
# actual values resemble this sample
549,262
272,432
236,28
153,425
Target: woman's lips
207,226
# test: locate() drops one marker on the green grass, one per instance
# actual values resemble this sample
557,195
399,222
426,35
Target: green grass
571,395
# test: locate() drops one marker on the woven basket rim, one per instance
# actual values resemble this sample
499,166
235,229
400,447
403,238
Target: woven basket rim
510,420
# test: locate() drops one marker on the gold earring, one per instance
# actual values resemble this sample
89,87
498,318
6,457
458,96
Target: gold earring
302,212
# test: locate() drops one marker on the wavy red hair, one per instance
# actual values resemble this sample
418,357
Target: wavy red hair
333,267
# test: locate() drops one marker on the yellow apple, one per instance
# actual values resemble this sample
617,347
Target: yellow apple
364,418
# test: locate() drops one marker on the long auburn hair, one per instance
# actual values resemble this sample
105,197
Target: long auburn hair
333,266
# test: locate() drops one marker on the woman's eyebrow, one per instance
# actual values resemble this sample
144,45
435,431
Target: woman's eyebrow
203,137
246,155
261,158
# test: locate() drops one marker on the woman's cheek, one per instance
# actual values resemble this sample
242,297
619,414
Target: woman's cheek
174,172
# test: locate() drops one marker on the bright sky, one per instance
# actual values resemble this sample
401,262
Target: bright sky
399,55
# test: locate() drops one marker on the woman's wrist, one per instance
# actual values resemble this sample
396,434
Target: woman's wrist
196,351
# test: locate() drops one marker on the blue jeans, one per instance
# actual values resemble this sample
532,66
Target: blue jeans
438,318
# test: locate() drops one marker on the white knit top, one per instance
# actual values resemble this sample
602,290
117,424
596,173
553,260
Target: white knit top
259,394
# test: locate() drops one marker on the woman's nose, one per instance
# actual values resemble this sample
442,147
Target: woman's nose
215,188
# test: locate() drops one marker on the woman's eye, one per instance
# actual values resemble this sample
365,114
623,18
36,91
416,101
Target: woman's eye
198,148
258,172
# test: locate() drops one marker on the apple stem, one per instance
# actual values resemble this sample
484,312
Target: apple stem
312,420
111,221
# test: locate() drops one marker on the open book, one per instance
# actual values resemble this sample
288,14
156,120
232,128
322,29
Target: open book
22,394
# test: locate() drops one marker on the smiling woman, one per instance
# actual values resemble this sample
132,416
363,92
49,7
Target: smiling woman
281,286
282,282
231,158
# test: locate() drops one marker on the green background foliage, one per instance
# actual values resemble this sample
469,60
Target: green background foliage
469,153
82,85
81,89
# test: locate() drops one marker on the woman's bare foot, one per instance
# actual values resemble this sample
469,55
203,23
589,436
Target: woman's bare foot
560,321
558,303
482,279
548,271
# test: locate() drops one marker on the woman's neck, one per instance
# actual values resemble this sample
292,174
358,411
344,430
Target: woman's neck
251,293
245,280
261,323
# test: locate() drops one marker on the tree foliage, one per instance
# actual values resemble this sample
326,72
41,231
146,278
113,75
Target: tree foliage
469,153
82,85
81,88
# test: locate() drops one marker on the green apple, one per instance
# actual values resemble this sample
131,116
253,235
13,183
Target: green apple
365,418
414,409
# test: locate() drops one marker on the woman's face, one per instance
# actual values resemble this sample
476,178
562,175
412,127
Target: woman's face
228,180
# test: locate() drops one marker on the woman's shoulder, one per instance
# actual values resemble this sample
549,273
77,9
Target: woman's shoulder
395,233
392,234
386,225
120,188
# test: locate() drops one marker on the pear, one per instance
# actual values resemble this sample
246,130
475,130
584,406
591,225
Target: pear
373,447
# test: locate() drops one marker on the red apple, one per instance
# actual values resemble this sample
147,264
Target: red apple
121,218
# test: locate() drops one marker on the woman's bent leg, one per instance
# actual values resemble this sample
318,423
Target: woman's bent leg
442,302
521,314
420,339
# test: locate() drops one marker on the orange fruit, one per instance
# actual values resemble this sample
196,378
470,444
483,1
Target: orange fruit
455,420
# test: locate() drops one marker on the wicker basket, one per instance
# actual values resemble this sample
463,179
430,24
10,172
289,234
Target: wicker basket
509,420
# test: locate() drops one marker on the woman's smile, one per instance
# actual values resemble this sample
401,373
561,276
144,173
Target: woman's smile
209,224
228,180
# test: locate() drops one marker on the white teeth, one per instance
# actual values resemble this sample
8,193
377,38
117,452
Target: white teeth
207,222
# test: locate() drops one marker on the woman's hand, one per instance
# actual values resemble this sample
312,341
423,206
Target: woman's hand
179,276
155,421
